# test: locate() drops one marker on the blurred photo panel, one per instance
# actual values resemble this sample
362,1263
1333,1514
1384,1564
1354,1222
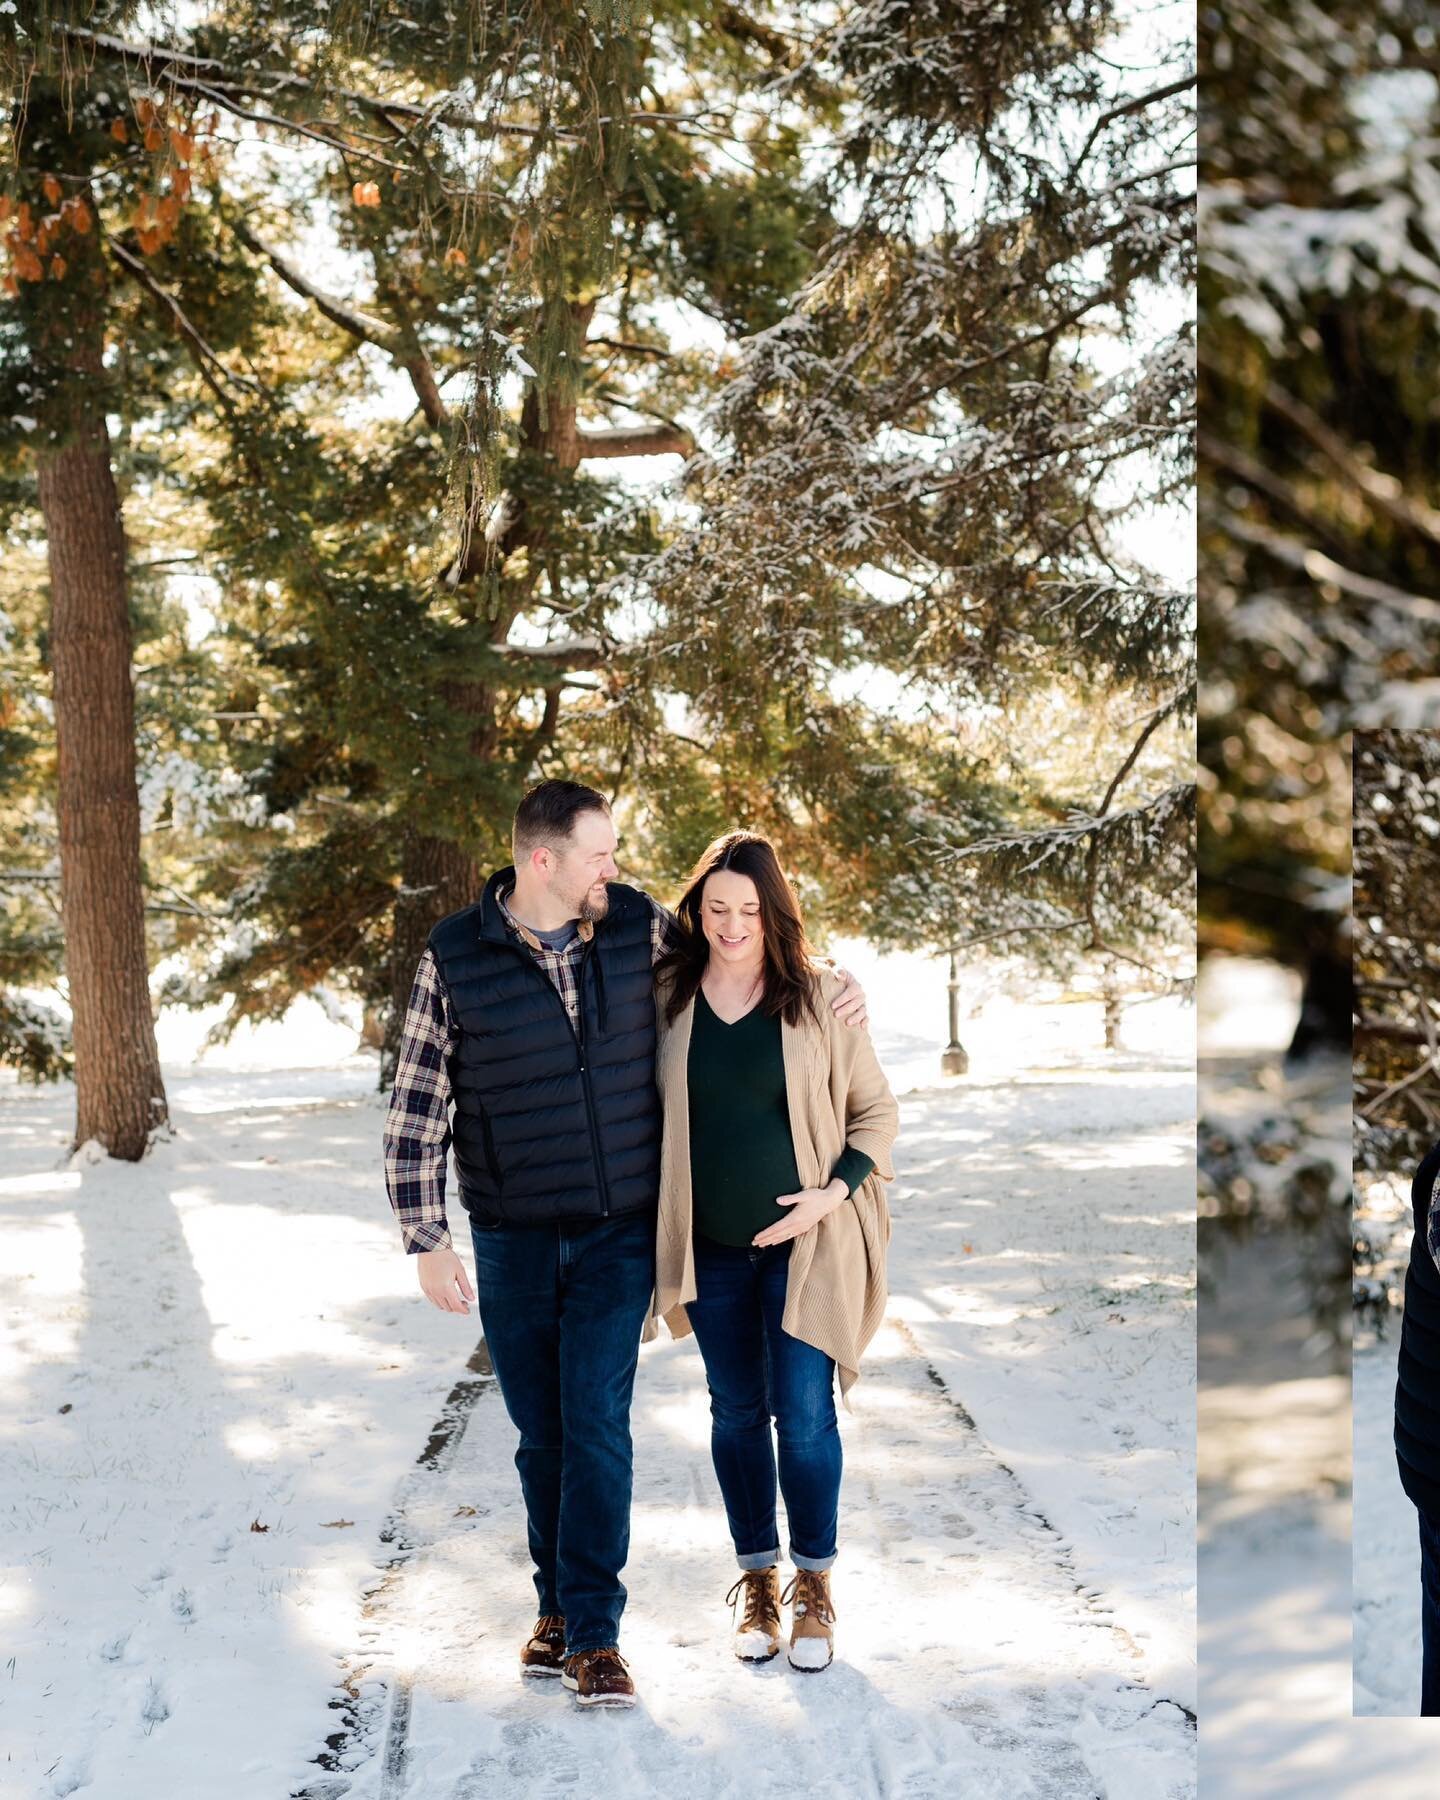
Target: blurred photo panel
1319,511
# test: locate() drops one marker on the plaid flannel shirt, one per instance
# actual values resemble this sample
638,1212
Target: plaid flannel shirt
417,1121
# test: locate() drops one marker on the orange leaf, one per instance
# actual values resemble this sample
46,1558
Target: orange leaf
969,1249
180,182
43,236
455,258
28,265
58,266
154,137
80,216
10,285
5,207
145,111
23,223
53,189
149,242
182,143
118,132
168,211
365,193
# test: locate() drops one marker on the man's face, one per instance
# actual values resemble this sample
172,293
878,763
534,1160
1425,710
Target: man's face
580,868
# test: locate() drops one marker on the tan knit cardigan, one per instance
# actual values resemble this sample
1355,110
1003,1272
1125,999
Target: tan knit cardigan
838,1095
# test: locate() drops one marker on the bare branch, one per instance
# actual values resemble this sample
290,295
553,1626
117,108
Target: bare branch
396,344
637,440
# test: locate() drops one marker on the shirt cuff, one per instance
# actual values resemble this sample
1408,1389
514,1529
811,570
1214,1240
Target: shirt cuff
852,1168
433,1235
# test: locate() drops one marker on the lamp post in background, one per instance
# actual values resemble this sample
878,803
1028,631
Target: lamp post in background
954,1059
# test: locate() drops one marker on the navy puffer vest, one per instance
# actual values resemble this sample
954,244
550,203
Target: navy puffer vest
550,1125
1417,1394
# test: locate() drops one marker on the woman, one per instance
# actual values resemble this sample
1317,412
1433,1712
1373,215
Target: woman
771,1243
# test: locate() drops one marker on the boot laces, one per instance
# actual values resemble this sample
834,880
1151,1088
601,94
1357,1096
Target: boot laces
599,1660
810,1591
756,1583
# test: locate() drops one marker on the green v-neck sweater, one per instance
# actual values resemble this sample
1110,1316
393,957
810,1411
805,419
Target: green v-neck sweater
741,1151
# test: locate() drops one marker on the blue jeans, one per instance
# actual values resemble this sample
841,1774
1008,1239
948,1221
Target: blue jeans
757,1372
562,1308
1429,1616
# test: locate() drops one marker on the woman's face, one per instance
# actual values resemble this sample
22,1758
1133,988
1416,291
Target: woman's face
730,917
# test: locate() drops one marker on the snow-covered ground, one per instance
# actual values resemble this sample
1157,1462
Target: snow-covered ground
1387,1549
1275,1511
262,1529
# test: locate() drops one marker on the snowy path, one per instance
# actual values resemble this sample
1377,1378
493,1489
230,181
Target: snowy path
218,1375
971,1661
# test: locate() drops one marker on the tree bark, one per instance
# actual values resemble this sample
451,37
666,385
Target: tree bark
439,876
120,1097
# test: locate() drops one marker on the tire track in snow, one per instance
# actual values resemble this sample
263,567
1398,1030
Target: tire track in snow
357,1732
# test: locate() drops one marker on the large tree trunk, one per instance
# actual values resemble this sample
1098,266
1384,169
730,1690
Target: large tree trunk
119,1093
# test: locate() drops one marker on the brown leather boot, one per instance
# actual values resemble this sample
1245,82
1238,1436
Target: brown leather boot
757,1636
544,1653
599,1678
812,1635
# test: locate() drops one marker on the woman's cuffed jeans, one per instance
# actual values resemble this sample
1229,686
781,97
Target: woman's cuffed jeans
562,1308
757,1372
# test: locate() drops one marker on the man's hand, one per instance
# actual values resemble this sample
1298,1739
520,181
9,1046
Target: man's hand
807,1209
443,1280
849,1005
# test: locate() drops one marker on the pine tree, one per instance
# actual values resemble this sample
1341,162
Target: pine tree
908,462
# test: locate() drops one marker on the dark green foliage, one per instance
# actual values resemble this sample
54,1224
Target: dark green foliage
365,374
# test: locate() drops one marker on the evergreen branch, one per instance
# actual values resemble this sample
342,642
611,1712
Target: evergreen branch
1383,492
1263,480
1321,568
1126,107
208,363
222,99
406,354
635,349
184,70
350,318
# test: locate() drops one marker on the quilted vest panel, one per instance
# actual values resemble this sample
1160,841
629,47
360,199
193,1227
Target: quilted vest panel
548,1124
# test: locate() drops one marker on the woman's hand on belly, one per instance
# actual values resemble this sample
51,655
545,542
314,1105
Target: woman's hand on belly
807,1209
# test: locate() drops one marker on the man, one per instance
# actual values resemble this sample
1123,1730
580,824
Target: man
532,1014
1417,1412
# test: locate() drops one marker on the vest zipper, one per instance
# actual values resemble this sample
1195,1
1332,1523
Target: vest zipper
585,1083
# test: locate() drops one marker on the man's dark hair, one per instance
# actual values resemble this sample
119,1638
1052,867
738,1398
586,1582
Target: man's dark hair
548,813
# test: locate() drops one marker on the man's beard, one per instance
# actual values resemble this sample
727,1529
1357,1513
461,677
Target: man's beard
593,910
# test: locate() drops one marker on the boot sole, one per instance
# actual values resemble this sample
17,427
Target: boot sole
596,1699
529,1669
810,1669
769,1656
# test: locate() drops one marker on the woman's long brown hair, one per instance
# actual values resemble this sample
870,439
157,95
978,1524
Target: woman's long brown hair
789,959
